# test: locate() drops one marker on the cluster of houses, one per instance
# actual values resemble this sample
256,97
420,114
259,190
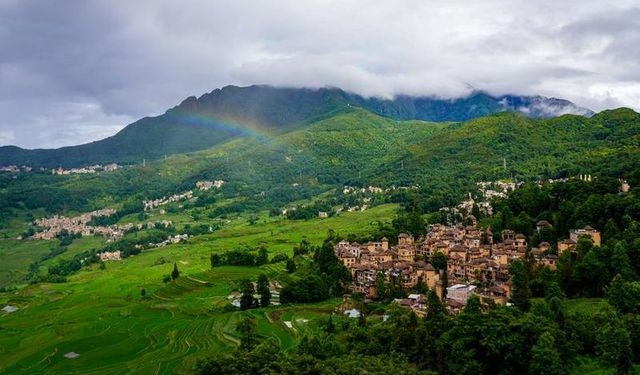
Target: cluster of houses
74,225
201,185
88,169
79,225
151,204
178,238
15,168
575,234
274,290
476,263
206,185
365,195
369,189
488,190
110,255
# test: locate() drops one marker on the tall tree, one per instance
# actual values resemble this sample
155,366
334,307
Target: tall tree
291,265
381,286
589,275
263,290
246,299
439,261
614,347
620,263
435,324
247,328
521,291
263,256
624,295
215,260
545,359
175,273
330,327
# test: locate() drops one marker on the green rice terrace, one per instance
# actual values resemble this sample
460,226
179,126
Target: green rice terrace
101,315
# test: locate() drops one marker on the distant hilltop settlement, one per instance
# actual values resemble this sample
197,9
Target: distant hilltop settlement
201,185
52,227
475,263
88,169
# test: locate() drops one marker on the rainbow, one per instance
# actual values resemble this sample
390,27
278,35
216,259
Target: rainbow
228,124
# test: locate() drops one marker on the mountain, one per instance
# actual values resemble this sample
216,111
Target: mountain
230,112
359,147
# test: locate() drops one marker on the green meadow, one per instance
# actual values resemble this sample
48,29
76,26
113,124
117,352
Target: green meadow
101,315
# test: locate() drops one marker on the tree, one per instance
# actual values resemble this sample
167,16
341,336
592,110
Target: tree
552,289
545,359
521,289
589,275
421,286
614,347
623,295
439,261
291,265
246,299
247,328
175,273
381,287
330,328
584,246
263,290
263,256
143,292
435,324
464,340
215,260
620,263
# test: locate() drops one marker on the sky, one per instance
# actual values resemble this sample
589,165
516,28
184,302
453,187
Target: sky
77,71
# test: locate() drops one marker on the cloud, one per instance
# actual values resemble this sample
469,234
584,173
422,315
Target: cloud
78,71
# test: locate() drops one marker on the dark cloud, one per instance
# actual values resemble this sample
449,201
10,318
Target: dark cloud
77,71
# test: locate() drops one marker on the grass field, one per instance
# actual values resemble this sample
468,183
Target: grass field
16,256
100,314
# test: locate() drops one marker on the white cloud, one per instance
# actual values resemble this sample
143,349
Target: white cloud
121,61
7,137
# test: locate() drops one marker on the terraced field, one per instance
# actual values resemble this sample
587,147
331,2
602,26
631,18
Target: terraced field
100,314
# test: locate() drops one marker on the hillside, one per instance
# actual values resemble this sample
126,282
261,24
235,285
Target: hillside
177,322
224,114
357,147
605,144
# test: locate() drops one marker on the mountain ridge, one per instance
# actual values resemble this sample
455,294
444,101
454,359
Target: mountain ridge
225,113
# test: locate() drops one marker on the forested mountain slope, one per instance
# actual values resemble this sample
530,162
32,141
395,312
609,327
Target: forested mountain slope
230,112
357,147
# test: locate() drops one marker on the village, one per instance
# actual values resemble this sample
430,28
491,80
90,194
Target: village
79,225
55,225
50,228
88,169
62,171
201,185
476,263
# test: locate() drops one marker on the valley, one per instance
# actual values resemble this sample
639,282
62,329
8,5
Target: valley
152,267
100,314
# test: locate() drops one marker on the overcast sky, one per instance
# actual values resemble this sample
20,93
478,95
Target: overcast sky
78,71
